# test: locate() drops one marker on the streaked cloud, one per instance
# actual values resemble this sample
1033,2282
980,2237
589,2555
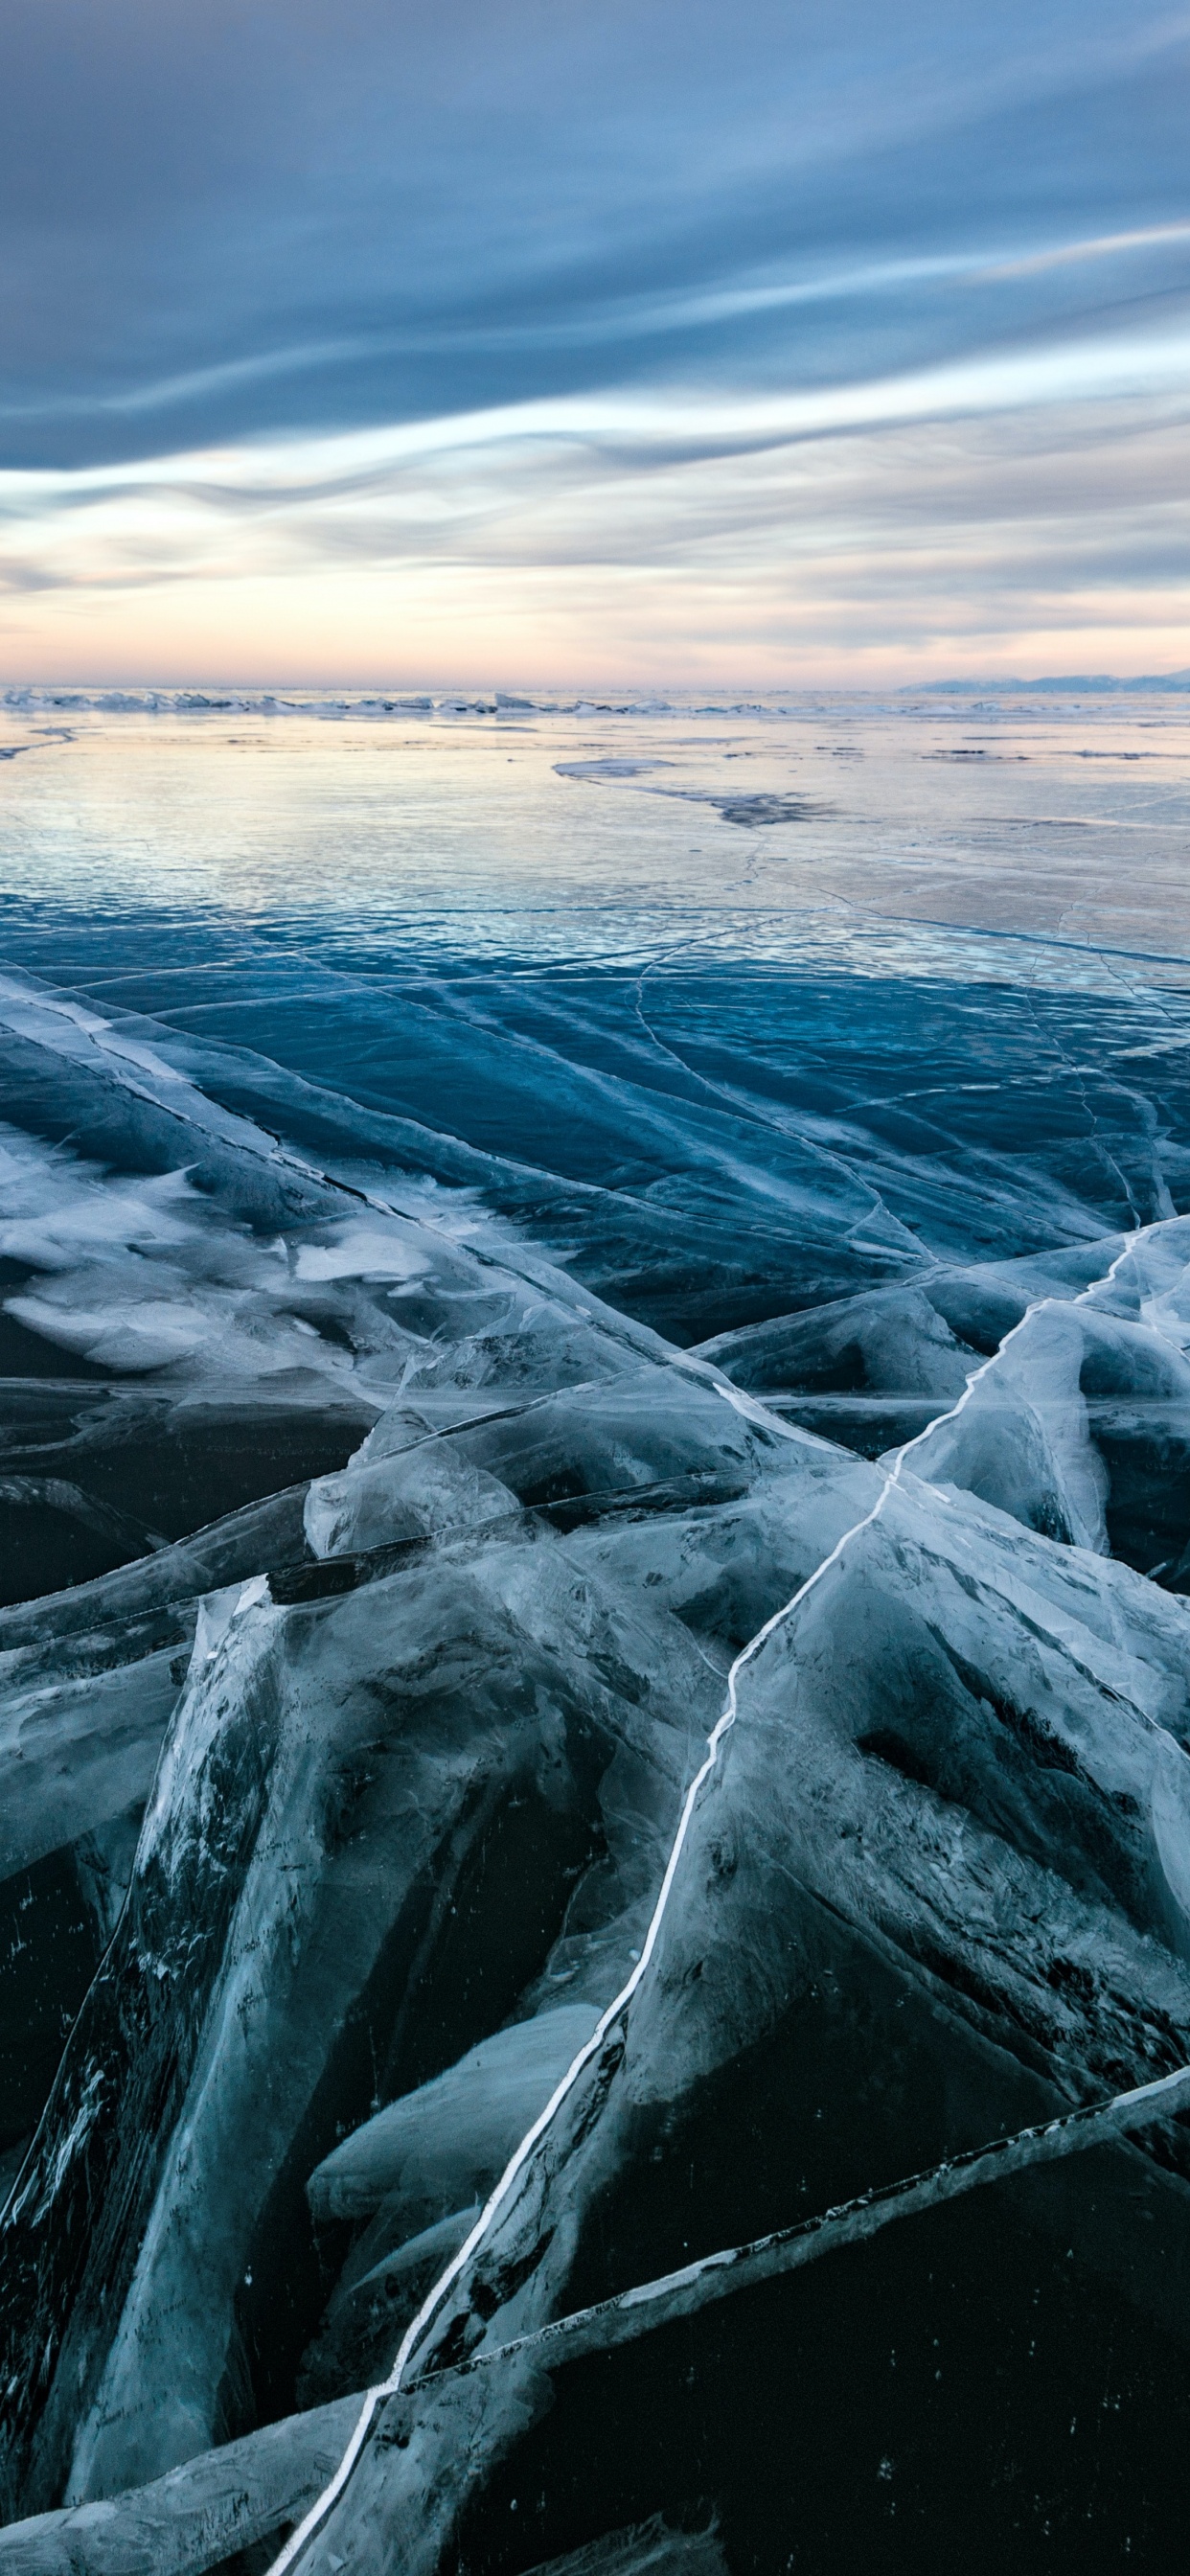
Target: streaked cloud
1104,246
333,340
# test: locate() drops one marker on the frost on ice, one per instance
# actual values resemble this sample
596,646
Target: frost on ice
594,1804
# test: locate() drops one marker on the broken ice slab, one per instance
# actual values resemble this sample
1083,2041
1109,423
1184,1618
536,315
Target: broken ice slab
194,2517
1076,1417
225,2501
891,1341
373,2303
168,2512
436,2148
995,1887
104,1622
88,1681
657,2547
345,1900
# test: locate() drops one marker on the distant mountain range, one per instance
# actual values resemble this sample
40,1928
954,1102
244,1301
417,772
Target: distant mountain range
1102,683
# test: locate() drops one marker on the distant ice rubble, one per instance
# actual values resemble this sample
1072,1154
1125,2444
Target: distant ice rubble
343,1817
362,708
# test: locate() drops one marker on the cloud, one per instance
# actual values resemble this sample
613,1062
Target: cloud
362,307
259,217
647,532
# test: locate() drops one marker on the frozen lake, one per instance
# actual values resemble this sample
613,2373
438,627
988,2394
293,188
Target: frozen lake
719,1747
738,1009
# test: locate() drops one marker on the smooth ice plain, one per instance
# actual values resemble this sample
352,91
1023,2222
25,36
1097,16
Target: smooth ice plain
595,1635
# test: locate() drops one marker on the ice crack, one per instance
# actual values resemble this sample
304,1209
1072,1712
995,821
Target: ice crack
431,2305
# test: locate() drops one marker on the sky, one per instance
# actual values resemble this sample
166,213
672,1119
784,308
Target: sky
687,342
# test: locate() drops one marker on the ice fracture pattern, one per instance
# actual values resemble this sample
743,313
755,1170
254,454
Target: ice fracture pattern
595,1642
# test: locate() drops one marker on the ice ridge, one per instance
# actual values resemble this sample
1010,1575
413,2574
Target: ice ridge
583,1735
414,2332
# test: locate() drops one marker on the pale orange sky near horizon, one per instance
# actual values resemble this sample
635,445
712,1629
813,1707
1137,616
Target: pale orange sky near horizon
971,522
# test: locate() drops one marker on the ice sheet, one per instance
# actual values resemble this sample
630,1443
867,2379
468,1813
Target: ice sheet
596,1646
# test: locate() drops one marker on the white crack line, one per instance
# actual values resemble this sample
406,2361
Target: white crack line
649,2304
433,2301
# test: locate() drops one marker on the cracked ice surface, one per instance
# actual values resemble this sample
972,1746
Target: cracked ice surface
594,1663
